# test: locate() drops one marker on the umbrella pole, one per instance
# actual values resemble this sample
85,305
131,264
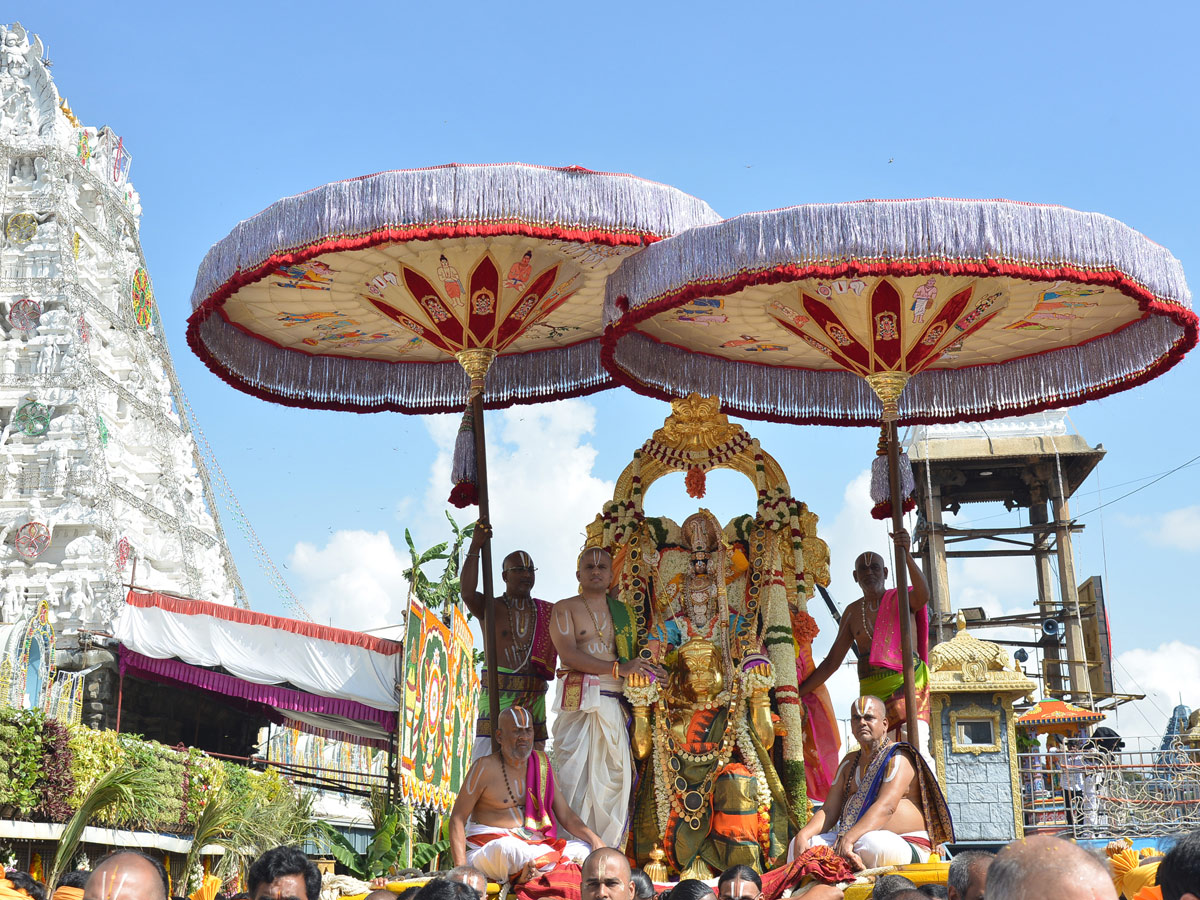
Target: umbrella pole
906,635
485,562
476,363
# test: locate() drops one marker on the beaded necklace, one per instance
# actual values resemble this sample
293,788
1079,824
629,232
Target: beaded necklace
521,647
870,631
508,787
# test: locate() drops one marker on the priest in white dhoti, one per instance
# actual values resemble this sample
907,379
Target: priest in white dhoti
506,820
595,636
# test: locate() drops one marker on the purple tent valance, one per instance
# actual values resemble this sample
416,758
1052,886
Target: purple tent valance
270,694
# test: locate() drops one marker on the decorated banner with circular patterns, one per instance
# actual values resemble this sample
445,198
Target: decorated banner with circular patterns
440,699
25,315
21,228
33,418
32,539
142,296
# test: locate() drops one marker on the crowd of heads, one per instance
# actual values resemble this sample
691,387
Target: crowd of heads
1028,869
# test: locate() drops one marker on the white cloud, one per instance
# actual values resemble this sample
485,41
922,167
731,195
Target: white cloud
542,490
1179,528
355,581
542,493
1168,675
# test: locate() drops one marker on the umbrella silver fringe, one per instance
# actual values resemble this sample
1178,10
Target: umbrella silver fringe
366,384
930,230
462,196
1055,378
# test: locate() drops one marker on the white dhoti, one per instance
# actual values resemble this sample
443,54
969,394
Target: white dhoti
500,853
593,763
879,848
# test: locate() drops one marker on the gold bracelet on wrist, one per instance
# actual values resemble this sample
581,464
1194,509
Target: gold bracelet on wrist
616,673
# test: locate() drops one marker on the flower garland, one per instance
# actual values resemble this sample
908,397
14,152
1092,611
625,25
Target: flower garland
746,745
702,460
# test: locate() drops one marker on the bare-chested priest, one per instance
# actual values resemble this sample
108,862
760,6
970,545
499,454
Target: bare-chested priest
523,644
596,640
884,807
506,819
872,624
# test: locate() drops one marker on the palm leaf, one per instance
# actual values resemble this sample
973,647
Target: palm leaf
262,825
125,785
213,823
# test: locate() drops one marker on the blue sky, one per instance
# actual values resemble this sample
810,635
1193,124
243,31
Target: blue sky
227,107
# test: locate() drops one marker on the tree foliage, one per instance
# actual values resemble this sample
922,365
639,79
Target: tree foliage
446,590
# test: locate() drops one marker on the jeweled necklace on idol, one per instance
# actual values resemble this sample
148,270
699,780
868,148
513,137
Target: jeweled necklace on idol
686,802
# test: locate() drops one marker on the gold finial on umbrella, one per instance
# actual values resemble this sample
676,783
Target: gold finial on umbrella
888,386
475,363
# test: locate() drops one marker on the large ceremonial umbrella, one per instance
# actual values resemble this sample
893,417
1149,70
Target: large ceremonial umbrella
379,292
915,311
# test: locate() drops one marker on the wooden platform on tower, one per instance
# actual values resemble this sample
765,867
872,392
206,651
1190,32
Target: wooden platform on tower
1035,463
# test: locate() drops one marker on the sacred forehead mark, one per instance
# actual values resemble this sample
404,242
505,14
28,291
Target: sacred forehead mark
861,704
112,890
596,554
519,715
738,884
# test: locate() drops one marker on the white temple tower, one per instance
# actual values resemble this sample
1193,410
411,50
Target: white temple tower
95,454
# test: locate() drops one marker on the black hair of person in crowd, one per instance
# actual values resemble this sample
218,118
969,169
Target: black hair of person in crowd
23,881
1179,871
445,889
285,864
887,885
643,887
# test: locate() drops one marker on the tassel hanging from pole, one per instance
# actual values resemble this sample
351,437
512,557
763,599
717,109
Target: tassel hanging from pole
888,387
881,492
464,470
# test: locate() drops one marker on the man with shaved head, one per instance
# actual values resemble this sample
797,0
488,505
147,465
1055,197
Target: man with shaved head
525,652
127,875
1044,866
967,879
884,807
596,640
606,876
471,877
506,819
871,624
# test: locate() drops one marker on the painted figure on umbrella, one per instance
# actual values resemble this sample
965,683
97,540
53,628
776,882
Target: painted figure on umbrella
520,271
451,280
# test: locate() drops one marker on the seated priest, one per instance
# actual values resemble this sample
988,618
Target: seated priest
506,819
885,807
